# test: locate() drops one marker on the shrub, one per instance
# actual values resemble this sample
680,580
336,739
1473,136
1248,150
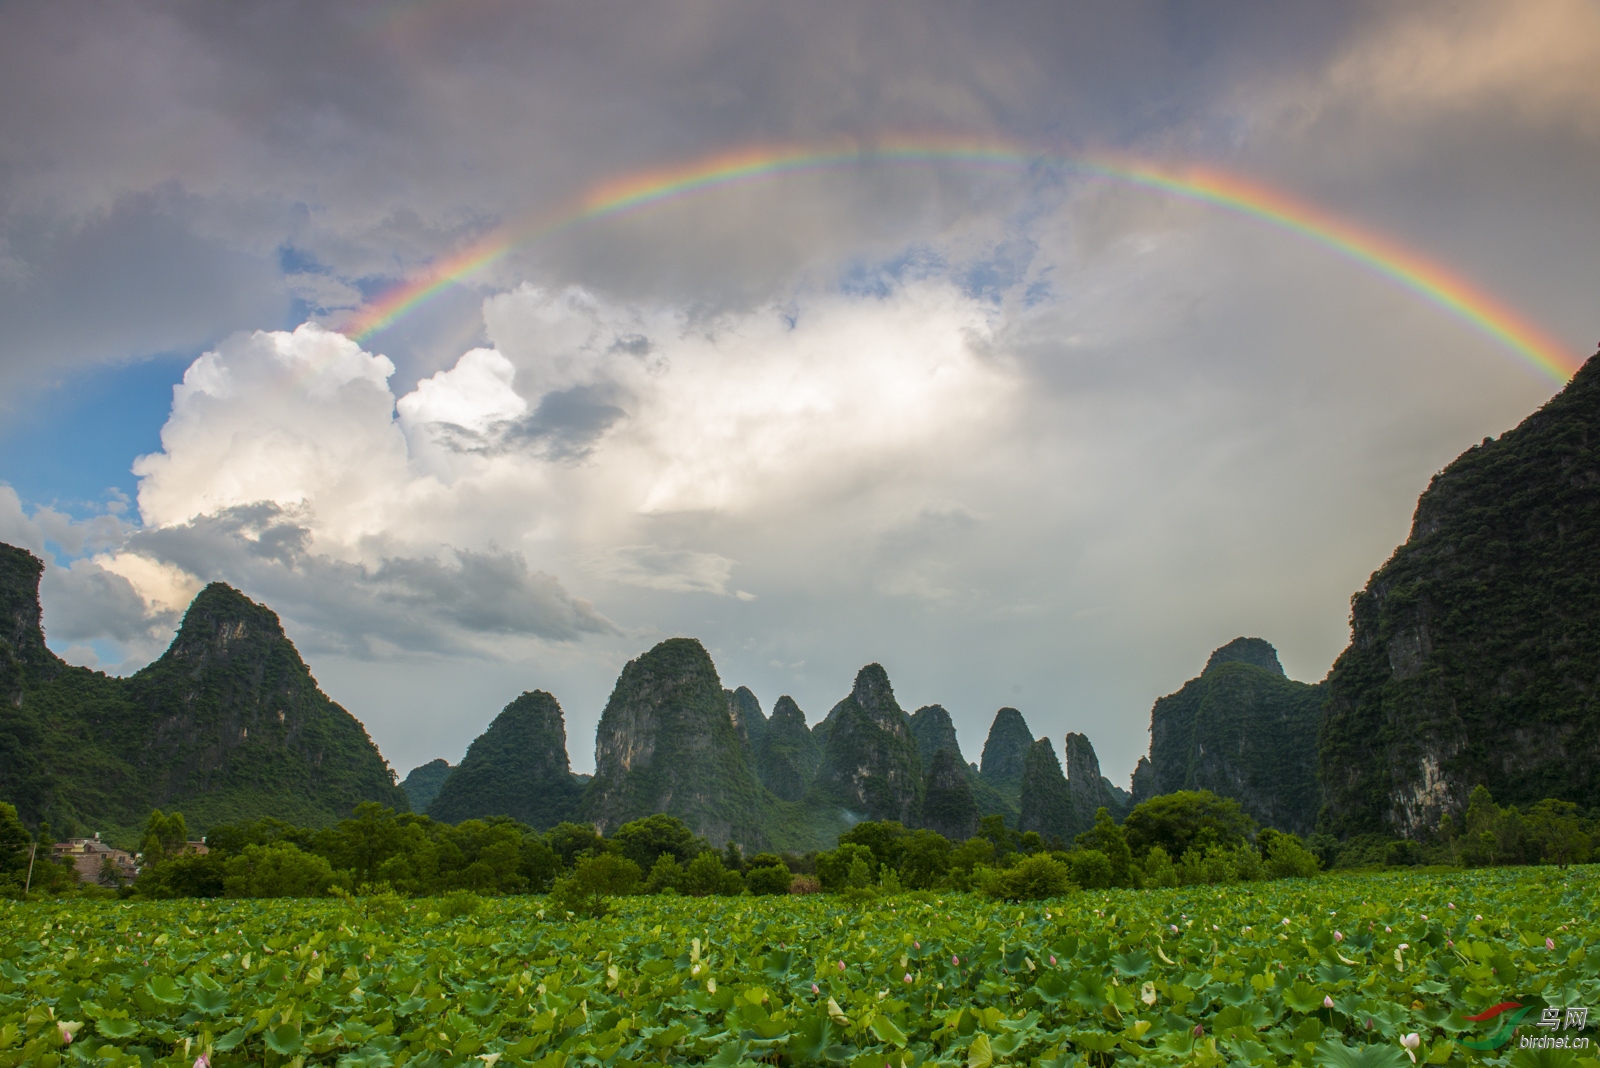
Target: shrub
1188,819
595,879
460,903
1157,868
851,865
768,879
276,870
1090,868
704,875
665,875
1288,858
1031,879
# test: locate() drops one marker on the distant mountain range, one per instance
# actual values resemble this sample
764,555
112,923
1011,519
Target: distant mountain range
1475,658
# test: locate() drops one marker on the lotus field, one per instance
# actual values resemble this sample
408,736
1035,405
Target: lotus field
1356,970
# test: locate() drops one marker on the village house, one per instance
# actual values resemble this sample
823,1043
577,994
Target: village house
96,862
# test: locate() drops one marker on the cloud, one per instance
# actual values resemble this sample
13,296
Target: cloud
674,570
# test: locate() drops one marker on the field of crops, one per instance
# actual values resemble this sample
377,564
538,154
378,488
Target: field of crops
1334,971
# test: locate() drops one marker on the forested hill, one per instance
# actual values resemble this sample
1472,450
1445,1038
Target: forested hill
227,725
1475,651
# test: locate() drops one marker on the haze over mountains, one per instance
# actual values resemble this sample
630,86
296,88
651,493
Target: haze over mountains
1475,658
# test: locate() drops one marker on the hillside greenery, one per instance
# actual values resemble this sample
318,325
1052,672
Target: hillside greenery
518,767
228,723
1475,649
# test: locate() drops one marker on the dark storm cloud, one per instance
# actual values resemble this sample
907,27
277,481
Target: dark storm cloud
414,604
369,138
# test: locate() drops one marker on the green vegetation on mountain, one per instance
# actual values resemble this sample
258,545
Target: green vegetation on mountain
1242,730
1046,800
948,807
422,784
787,759
1474,656
933,729
667,743
228,724
1005,752
518,767
870,764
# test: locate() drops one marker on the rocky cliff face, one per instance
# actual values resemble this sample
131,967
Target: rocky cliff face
227,725
518,767
1244,731
933,729
1046,801
422,783
1090,790
870,764
947,805
787,759
745,711
1475,651
1143,785
667,743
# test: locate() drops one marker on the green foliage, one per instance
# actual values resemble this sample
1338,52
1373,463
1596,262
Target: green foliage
850,865
164,836
1034,878
588,889
1108,839
1090,869
16,850
1188,818
1287,856
644,840
276,870
768,879
1192,976
868,729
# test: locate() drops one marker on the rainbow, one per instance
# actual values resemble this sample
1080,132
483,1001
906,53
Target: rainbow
1387,257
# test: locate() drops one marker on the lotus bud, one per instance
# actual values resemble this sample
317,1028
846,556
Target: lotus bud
1479,916
955,960
1199,1029
202,1061
1450,905
1388,930
1424,918
1052,958
916,945
841,966
1338,936
908,977
815,989
1405,945
1327,1001
1549,943
1411,1041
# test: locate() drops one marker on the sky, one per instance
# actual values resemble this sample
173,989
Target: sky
903,332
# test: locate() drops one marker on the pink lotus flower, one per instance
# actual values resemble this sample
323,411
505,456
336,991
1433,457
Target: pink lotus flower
1549,943
1327,1001
908,977
202,1061
1424,917
955,960
841,966
916,945
1338,936
814,989
1450,905
1199,1029
1052,958
66,1037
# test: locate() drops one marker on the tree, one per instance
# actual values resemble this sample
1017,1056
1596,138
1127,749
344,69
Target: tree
924,859
768,879
164,836
16,847
1554,828
706,875
594,880
1033,879
850,865
643,840
1188,819
572,840
882,837
1108,838
277,870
